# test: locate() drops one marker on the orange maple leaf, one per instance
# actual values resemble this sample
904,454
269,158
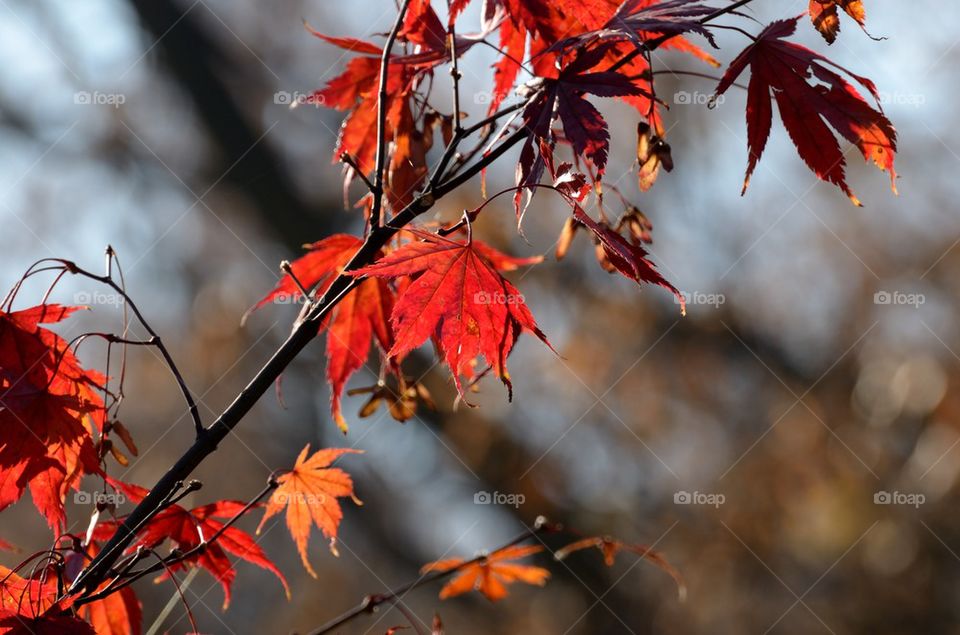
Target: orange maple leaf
490,574
309,492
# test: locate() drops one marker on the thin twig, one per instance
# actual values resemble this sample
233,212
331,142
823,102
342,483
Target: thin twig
371,602
376,210
128,577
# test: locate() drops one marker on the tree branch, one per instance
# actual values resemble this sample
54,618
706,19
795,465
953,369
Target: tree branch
209,438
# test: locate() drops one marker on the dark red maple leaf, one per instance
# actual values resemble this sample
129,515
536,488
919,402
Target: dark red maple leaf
629,258
806,109
358,318
458,297
583,125
187,529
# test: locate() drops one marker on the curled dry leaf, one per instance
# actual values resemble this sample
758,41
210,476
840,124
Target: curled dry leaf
610,547
825,15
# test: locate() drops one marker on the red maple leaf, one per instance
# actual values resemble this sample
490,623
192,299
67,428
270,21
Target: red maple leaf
358,318
28,606
46,399
188,529
459,298
785,68
627,257
583,125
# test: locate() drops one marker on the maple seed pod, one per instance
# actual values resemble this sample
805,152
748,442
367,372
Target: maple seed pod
125,436
566,237
637,224
604,260
119,456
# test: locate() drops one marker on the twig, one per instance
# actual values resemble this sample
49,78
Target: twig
155,339
371,602
376,210
455,75
128,577
347,158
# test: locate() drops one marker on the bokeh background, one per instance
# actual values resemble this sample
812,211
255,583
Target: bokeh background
817,368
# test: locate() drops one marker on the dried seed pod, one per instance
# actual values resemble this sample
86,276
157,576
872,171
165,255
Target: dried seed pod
566,237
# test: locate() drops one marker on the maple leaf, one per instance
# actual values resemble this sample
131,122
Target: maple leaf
641,20
309,492
629,258
563,97
460,299
825,15
46,400
188,529
359,317
490,574
513,42
29,606
610,547
14,624
785,68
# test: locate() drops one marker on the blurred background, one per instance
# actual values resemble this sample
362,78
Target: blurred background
767,443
